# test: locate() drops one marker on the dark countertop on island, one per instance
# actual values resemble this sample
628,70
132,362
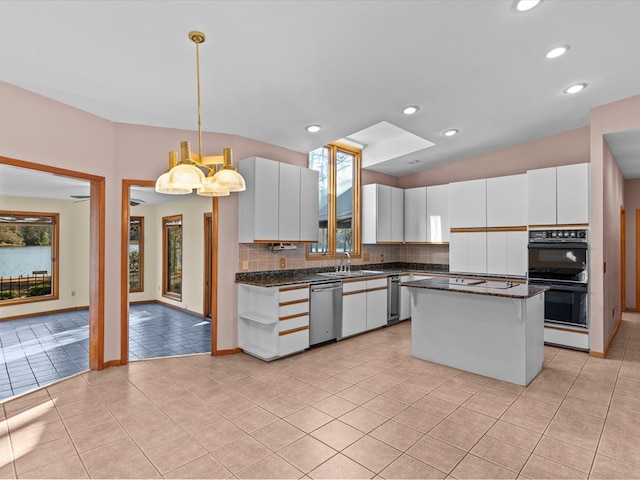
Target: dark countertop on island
490,287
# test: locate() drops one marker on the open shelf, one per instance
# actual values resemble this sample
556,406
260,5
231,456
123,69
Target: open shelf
258,318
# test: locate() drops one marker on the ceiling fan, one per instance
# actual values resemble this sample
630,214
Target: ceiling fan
83,198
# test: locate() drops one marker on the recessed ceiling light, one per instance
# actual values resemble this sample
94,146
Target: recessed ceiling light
450,133
413,162
410,110
557,51
313,128
524,5
575,88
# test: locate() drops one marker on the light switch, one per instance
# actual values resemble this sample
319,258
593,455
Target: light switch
245,265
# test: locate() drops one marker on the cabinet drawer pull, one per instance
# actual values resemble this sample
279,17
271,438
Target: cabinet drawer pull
355,292
296,287
295,315
294,330
293,302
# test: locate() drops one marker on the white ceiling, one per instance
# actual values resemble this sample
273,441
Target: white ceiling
269,68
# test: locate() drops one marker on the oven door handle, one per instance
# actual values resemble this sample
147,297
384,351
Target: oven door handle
581,288
579,246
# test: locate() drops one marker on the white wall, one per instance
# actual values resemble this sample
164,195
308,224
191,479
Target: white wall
73,253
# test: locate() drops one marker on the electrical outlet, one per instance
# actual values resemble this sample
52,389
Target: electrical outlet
73,293
245,265
381,257
283,262
367,257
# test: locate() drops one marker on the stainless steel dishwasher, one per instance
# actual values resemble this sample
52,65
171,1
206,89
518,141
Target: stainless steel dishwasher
325,312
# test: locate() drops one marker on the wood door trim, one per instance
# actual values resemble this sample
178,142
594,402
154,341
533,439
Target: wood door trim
623,259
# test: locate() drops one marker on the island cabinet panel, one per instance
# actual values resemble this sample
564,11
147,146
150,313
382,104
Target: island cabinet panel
415,215
280,203
382,214
438,214
493,336
468,204
507,201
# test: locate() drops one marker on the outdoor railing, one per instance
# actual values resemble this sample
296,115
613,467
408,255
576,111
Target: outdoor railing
37,284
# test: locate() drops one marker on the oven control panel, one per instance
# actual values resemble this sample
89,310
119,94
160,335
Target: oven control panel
558,235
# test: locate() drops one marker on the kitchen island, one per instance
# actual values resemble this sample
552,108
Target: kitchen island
491,328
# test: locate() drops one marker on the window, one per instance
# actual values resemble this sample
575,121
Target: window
172,257
28,257
339,216
136,254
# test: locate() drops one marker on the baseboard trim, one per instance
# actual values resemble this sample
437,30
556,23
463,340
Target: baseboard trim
230,351
611,338
175,307
47,312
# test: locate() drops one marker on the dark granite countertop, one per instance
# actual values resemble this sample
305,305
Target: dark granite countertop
478,287
277,278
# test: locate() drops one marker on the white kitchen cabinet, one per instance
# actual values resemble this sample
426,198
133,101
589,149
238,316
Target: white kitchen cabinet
438,214
468,203
382,214
354,307
468,252
559,195
309,205
507,201
415,215
507,253
376,303
288,202
573,194
273,321
405,299
270,209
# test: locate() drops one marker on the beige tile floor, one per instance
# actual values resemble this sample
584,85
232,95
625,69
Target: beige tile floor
360,408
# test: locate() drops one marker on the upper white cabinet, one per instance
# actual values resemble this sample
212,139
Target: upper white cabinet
572,185
426,214
382,214
468,203
415,215
559,195
438,213
280,203
507,201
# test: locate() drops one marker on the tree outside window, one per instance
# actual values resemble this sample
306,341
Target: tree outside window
28,257
339,215
172,257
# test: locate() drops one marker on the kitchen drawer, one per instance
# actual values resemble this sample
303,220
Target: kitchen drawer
293,323
353,286
292,341
300,306
290,294
377,283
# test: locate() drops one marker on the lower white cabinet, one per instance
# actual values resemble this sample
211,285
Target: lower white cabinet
507,253
468,252
364,305
273,321
405,299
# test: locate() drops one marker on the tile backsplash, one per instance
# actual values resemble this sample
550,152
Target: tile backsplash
258,257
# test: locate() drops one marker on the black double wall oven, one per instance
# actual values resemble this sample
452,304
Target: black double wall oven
558,260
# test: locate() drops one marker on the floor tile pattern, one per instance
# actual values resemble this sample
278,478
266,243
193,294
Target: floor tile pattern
359,408
37,351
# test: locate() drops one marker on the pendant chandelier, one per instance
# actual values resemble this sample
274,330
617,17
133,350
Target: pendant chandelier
210,176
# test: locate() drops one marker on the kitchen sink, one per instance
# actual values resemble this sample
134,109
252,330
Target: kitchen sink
354,273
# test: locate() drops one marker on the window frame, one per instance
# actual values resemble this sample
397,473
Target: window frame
140,288
55,258
166,223
331,254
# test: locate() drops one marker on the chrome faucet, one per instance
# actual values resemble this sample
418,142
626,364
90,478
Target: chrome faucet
343,268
